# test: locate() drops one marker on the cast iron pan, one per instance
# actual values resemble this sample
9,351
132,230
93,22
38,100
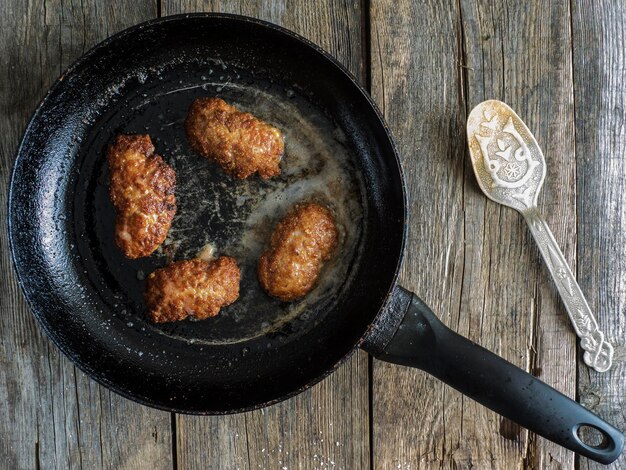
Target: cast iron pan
88,297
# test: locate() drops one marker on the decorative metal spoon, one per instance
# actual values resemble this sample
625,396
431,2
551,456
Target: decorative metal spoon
510,169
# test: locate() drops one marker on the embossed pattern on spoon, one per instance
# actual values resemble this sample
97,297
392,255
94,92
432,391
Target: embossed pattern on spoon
510,169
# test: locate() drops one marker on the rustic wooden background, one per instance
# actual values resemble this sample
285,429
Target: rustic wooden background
561,64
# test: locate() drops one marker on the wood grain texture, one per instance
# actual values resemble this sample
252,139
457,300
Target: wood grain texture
416,81
599,56
521,54
53,416
327,426
473,261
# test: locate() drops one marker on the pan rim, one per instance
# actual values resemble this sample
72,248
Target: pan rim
75,358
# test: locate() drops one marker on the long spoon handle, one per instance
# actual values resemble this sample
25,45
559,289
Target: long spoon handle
598,352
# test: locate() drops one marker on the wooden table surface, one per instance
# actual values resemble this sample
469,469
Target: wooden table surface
561,64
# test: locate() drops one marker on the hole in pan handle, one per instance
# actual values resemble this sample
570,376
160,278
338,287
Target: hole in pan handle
422,341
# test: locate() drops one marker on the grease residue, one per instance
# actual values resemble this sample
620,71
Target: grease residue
219,215
207,253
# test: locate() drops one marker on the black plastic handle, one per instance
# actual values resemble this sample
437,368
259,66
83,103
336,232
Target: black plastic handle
424,342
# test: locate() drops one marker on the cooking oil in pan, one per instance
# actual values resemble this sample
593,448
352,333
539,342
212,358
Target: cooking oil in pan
236,218
220,215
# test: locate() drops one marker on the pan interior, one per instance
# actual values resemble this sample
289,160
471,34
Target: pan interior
89,298
218,214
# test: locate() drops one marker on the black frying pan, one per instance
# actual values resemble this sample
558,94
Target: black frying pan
88,297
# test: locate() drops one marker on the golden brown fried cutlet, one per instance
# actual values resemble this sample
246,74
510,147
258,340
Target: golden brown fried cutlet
192,288
302,241
239,142
142,191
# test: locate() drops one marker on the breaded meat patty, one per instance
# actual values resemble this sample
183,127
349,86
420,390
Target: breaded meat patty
192,288
300,245
141,188
239,142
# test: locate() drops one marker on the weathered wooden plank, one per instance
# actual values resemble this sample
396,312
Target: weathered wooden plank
327,426
471,260
52,415
521,54
415,79
599,35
